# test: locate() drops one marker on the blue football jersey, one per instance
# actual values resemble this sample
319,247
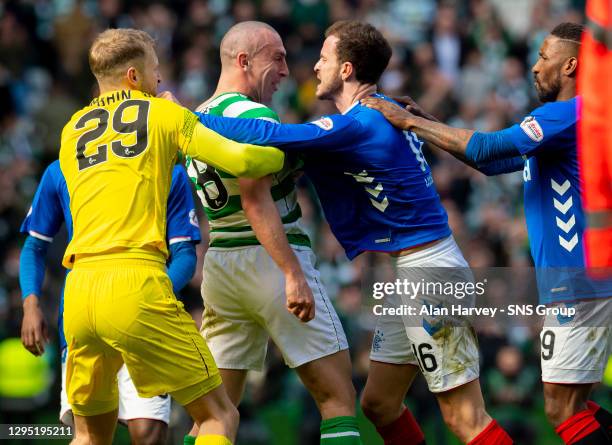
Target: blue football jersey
181,220
373,182
553,208
51,207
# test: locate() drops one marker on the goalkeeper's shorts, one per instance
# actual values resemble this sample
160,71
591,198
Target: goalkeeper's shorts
124,310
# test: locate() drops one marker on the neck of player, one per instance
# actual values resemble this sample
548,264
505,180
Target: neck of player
351,93
107,87
567,92
234,82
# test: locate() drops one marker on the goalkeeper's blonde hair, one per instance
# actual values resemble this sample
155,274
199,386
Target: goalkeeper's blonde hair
115,49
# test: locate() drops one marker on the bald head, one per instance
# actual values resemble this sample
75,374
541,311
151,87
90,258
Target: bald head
246,37
253,61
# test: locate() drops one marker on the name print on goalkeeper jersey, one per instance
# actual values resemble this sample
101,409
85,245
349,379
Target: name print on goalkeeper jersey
373,182
219,191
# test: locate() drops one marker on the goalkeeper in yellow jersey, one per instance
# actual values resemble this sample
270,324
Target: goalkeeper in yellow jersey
117,156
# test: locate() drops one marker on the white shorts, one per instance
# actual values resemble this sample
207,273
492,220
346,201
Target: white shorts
244,305
576,349
444,347
131,405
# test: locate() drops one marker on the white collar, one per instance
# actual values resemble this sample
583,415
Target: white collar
351,107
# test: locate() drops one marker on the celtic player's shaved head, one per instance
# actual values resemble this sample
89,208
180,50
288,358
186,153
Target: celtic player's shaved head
246,37
252,61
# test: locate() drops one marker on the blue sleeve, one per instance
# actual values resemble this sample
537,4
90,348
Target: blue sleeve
181,264
32,266
546,124
182,222
45,216
484,148
502,166
328,133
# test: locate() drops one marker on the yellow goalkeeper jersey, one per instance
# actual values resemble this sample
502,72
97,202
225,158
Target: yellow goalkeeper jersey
117,156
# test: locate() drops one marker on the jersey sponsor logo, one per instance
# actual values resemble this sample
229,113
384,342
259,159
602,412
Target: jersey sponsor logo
531,127
193,218
324,123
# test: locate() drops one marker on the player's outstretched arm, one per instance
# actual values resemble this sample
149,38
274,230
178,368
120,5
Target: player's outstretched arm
263,216
501,166
238,159
34,332
491,153
242,160
327,133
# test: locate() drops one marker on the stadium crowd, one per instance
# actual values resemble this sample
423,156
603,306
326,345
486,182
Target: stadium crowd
465,61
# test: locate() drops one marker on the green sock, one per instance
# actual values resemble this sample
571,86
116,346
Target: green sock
340,430
189,440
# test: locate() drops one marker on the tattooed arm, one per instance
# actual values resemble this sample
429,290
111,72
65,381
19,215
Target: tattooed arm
491,153
452,140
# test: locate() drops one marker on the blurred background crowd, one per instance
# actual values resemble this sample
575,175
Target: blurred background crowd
465,61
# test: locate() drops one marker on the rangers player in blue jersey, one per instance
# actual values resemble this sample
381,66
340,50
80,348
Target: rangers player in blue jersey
147,418
377,193
574,351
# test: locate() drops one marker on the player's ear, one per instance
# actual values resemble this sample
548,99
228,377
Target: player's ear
243,61
346,71
570,67
132,76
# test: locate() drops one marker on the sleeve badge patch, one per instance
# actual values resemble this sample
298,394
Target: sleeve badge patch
532,129
325,123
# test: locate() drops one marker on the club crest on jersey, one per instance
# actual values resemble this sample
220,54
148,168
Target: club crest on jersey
325,123
532,129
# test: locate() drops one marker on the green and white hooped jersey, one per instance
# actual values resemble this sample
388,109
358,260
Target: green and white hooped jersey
220,192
